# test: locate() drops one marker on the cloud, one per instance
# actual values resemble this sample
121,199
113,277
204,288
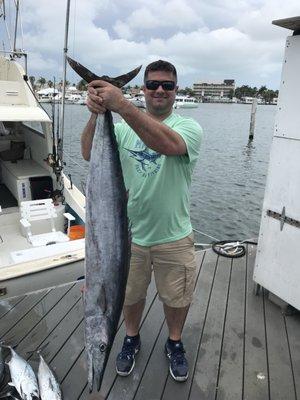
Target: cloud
217,39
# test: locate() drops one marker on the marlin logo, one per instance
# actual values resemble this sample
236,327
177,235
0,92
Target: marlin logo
144,157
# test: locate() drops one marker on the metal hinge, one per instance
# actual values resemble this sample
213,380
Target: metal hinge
283,218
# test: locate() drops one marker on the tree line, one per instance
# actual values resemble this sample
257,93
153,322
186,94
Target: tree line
41,83
243,91
263,92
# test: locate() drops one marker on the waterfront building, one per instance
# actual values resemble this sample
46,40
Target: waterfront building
215,89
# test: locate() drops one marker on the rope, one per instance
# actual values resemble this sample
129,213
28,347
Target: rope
205,234
80,166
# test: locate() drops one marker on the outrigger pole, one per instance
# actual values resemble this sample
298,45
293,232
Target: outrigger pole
16,26
62,115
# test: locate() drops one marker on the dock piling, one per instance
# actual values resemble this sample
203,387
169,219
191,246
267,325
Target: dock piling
252,120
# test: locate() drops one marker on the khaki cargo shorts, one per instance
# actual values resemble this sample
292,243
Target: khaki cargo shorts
174,268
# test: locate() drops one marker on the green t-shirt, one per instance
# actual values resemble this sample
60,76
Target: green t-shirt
158,185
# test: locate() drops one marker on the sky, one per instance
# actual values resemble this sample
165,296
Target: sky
208,40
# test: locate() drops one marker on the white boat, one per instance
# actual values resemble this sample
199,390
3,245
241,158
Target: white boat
185,102
73,98
38,203
138,101
48,95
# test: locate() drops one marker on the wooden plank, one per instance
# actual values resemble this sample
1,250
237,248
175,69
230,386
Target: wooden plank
149,332
6,305
256,378
110,374
85,393
51,319
204,384
280,369
17,313
156,372
68,354
72,386
61,335
26,324
193,330
79,367
230,383
293,329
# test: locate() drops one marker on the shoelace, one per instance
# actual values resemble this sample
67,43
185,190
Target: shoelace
178,357
128,351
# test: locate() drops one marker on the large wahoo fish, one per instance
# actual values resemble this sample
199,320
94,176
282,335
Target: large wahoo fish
107,238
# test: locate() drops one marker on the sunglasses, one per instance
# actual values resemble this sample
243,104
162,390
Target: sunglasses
154,85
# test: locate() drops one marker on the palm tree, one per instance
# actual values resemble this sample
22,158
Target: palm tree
81,85
41,81
32,80
50,84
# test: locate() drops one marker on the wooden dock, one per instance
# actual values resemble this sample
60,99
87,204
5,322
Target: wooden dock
239,345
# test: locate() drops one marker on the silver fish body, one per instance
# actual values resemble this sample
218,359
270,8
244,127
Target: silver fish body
107,238
48,385
23,377
2,366
107,248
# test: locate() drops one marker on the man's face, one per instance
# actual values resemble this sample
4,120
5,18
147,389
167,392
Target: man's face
160,101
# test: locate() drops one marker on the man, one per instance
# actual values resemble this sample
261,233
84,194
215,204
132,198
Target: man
158,151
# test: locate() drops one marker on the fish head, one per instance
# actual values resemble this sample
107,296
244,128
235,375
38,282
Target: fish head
98,345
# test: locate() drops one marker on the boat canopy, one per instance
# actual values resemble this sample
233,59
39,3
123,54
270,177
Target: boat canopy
17,101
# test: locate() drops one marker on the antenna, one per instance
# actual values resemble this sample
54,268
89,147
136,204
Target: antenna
62,115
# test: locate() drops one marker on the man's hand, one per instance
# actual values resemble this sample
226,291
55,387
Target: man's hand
94,102
102,96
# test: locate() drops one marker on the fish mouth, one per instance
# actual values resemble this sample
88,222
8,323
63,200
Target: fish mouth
96,369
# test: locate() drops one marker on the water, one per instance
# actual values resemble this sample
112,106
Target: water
229,180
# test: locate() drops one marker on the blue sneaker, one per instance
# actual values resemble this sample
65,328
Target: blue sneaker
126,358
179,368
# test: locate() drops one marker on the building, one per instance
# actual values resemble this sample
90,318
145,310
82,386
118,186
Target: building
214,89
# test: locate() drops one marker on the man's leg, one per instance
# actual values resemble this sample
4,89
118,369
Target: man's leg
175,271
175,320
138,281
133,316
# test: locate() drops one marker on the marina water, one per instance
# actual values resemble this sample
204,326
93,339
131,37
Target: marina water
229,179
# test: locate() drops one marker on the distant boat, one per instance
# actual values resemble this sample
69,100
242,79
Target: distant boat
138,101
185,102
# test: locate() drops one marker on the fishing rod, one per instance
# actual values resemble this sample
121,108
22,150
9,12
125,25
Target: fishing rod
53,123
62,115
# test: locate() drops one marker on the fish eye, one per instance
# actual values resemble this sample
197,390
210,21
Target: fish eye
102,347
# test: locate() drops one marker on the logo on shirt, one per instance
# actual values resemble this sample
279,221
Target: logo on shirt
146,160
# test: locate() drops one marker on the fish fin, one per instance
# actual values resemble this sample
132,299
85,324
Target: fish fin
89,76
83,72
102,301
121,80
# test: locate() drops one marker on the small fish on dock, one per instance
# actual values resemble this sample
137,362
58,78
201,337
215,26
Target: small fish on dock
22,377
48,384
2,366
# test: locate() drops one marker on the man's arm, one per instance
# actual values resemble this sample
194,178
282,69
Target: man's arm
156,135
87,137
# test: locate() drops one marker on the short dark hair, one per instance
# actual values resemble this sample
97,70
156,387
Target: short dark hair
160,65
